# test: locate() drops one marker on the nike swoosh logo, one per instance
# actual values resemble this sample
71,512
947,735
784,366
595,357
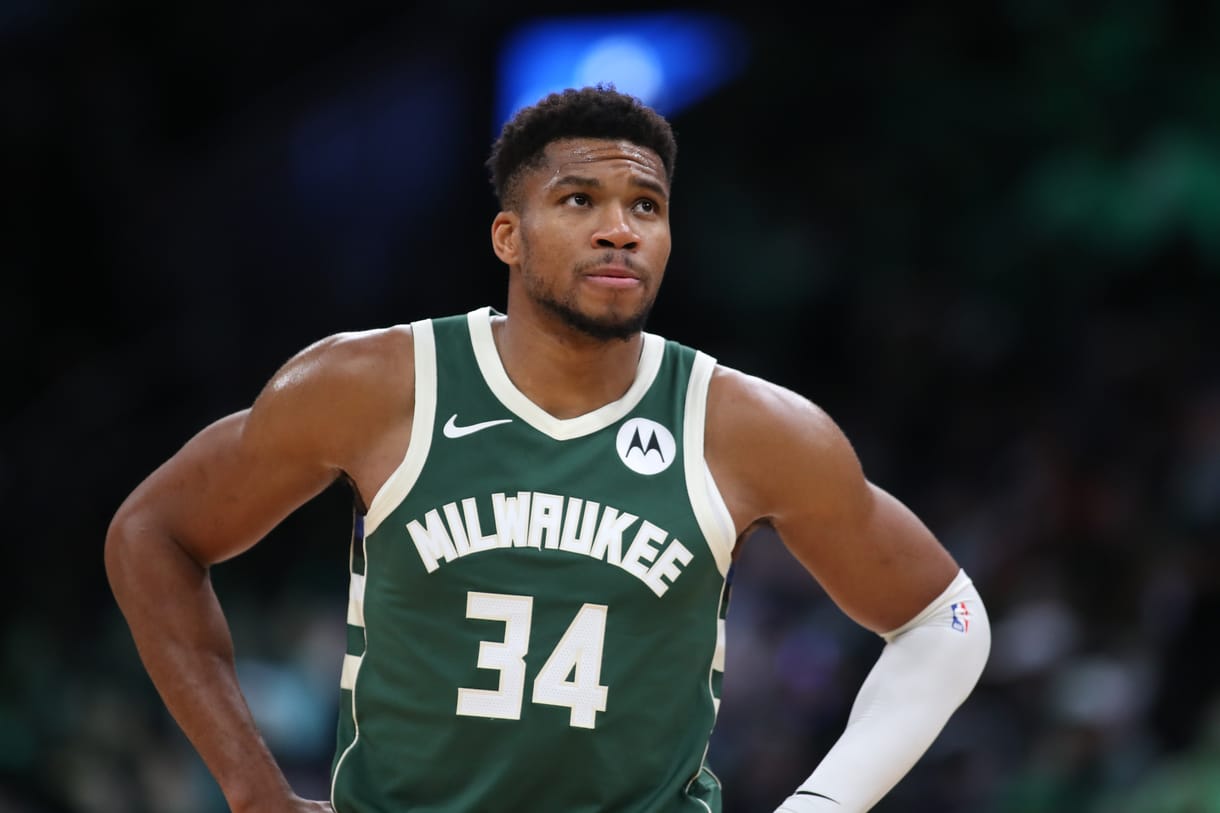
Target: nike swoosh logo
819,795
452,430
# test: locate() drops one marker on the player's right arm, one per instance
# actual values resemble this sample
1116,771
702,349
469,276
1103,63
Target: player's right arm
341,407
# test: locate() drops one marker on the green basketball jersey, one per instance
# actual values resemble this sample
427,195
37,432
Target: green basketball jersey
536,617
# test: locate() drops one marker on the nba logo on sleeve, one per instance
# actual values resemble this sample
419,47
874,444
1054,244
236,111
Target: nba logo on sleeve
961,616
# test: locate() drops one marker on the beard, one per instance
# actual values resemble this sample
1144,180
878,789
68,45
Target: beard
615,323
611,325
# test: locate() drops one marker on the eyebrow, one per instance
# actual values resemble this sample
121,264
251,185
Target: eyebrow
594,183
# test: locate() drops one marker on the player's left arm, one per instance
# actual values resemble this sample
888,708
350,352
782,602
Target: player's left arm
781,460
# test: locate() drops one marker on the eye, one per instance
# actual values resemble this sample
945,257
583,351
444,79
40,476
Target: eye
577,199
646,205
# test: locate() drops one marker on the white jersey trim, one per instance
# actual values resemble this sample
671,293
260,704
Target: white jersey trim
352,663
506,391
709,507
717,665
355,601
405,476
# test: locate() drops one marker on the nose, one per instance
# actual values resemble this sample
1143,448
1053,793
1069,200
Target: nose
615,231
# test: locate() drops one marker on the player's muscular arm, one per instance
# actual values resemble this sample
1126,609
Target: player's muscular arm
781,460
340,407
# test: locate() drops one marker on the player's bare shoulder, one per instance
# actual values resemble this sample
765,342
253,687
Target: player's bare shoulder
353,393
769,446
359,361
752,418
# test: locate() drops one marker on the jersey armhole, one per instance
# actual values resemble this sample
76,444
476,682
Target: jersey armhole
405,476
707,503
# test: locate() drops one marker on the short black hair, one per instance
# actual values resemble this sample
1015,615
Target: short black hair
596,111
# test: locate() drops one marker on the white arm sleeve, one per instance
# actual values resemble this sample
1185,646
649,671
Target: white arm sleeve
926,670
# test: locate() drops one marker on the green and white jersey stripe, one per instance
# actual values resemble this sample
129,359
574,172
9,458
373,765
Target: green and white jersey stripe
537,604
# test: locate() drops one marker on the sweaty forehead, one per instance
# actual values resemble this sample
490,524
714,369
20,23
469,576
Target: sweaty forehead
577,154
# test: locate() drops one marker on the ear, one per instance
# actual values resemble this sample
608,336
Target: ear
505,238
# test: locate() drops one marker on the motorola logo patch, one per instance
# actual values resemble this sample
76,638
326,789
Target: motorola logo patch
645,447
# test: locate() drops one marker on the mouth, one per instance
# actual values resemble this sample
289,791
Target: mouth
612,270
612,276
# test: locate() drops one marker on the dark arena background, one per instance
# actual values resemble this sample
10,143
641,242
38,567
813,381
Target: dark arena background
985,237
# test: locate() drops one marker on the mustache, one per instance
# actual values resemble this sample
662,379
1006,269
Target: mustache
611,257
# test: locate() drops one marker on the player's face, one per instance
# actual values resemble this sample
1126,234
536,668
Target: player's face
591,240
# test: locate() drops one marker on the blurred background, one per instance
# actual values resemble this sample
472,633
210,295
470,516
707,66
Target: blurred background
986,238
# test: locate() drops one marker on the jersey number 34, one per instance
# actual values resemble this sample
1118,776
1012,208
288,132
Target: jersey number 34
578,654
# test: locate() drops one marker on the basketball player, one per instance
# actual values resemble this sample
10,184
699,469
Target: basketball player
548,503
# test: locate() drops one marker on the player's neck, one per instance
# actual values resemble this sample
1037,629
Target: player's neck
562,370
